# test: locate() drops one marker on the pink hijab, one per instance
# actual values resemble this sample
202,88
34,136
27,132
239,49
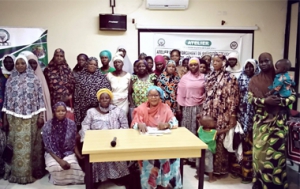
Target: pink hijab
39,73
191,88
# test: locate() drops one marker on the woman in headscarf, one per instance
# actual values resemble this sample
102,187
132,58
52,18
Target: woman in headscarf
234,66
245,116
103,117
269,139
81,63
190,97
175,56
7,64
160,64
139,84
59,78
135,68
38,154
185,63
59,139
105,57
24,106
120,82
89,81
168,82
221,103
127,63
154,113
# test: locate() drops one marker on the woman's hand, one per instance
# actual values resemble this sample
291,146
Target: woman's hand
272,100
65,165
142,127
163,126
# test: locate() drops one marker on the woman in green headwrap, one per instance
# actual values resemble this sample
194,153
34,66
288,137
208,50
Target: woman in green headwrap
105,57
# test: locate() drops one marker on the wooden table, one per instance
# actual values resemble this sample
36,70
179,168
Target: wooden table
131,145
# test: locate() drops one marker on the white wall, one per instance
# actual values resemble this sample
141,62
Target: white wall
73,25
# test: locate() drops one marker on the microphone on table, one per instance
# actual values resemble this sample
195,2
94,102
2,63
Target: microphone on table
113,142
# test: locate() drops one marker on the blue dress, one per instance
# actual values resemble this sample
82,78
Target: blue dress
282,85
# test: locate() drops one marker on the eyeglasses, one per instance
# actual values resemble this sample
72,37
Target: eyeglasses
153,96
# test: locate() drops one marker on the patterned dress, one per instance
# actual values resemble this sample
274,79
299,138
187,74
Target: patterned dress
269,146
86,86
59,139
222,99
245,116
2,133
140,88
169,83
60,80
115,119
23,101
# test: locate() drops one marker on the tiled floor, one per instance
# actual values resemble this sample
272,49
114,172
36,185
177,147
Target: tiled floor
189,182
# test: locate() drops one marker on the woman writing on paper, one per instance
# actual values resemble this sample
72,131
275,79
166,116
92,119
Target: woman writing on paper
154,113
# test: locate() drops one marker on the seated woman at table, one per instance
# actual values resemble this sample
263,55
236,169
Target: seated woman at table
106,116
59,139
163,173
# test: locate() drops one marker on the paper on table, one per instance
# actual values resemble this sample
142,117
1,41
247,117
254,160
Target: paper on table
156,131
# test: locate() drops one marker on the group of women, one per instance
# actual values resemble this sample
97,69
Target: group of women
161,92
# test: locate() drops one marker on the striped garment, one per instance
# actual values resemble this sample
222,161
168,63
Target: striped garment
59,176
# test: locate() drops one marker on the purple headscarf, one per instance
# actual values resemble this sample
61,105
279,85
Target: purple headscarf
59,135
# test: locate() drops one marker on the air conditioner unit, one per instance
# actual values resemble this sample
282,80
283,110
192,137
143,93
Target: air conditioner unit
167,4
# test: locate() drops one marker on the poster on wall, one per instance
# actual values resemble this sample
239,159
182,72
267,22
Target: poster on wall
16,40
197,44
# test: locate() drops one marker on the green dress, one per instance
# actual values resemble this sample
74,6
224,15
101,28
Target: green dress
269,141
111,69
140,88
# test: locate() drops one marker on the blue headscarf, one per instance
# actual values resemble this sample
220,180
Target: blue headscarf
158,89
105,53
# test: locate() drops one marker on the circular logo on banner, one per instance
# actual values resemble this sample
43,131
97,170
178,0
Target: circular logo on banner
4,37
161,42
234,45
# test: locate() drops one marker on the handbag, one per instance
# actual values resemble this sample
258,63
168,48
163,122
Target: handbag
8,154
70,111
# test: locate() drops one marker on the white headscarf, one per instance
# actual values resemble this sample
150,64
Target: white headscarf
127,67
3,69
237,69
118,57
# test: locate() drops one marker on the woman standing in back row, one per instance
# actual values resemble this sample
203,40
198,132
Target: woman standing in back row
59,78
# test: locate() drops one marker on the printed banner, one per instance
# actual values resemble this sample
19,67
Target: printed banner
197,45
15,40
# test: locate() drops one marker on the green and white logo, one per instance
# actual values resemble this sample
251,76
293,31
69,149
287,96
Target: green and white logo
205,43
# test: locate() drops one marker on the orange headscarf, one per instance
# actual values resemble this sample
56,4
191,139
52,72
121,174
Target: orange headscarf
152,116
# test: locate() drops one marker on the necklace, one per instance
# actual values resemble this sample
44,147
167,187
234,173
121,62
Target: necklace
104,110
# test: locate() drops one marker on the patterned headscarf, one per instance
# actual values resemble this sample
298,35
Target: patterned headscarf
105,53
59,78
59,135
158,89
24,94
246,111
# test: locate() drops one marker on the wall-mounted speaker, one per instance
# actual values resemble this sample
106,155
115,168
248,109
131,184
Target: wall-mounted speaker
116,22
